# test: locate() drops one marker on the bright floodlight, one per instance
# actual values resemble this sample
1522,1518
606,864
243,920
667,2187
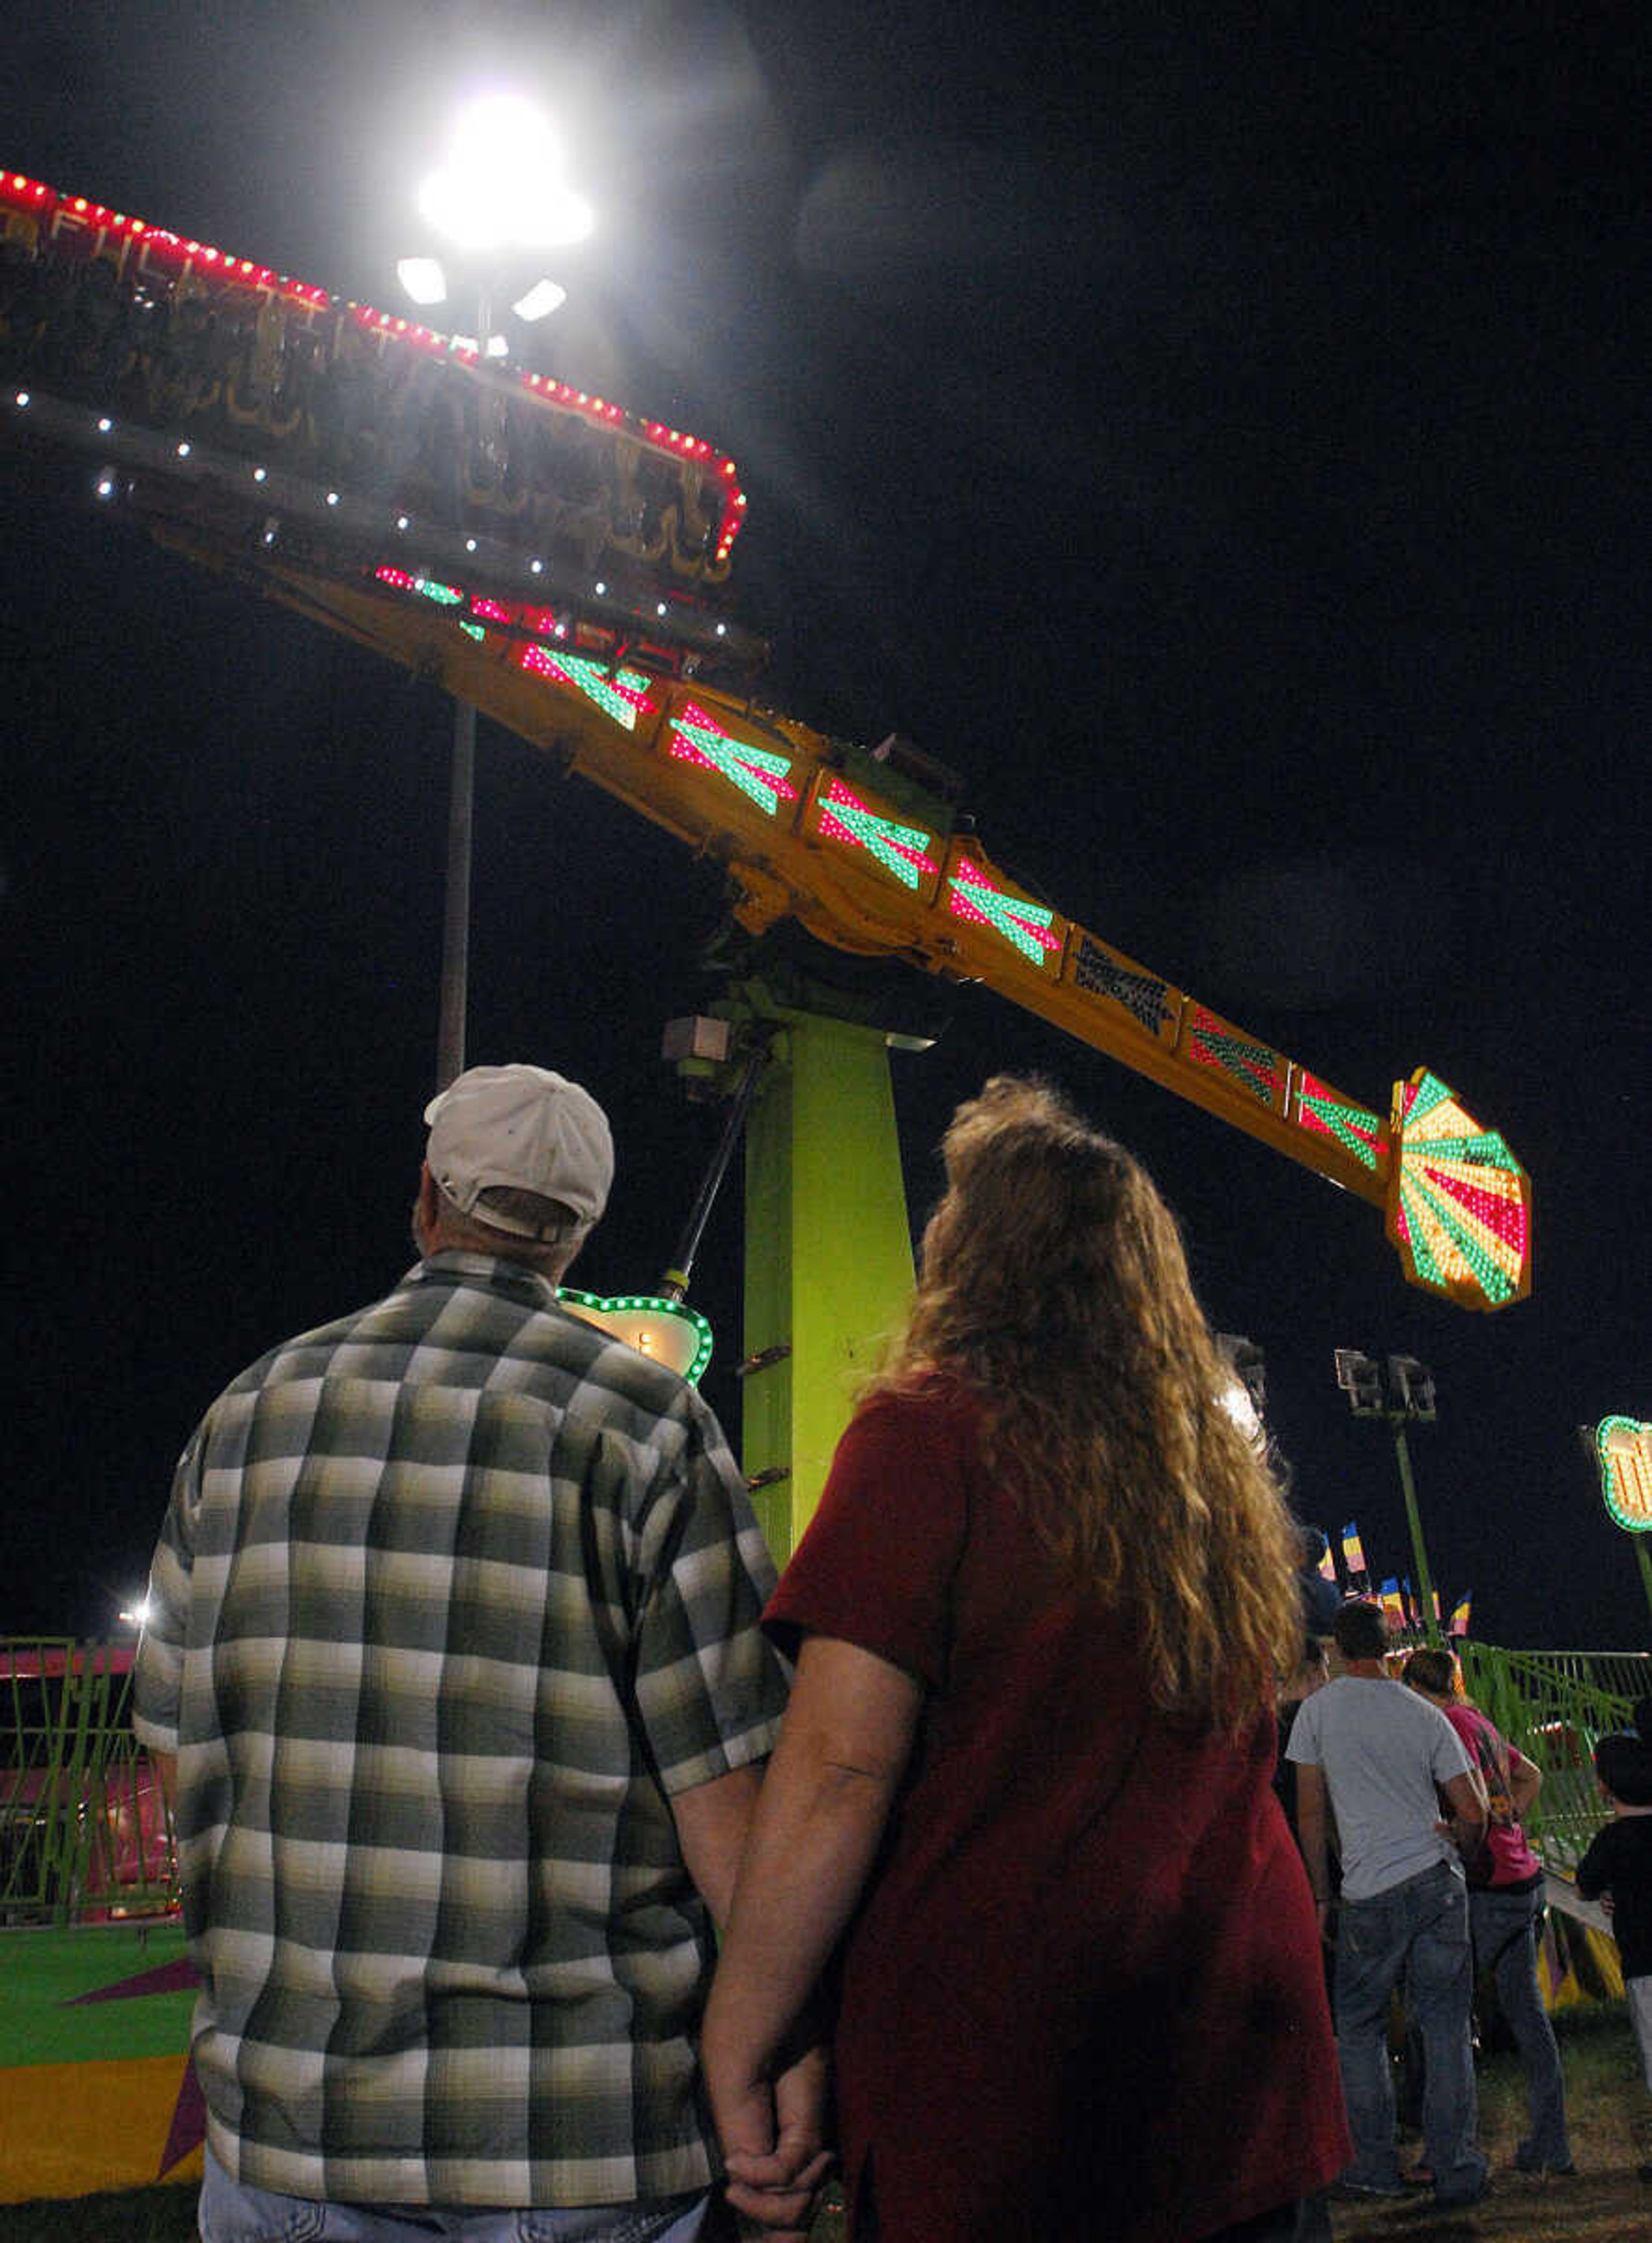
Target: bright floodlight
423,278
542,298
501,186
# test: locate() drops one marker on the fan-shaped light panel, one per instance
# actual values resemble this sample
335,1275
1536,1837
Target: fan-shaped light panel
1458,1203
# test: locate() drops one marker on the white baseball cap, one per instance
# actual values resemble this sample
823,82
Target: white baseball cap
525,1128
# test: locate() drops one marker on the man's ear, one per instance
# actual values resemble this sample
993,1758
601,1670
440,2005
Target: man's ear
426,1206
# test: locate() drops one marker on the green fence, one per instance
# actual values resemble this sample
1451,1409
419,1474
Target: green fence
1556,1706
86,1835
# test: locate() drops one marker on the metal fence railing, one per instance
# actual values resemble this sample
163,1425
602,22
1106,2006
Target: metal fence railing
1556,1705
85,1833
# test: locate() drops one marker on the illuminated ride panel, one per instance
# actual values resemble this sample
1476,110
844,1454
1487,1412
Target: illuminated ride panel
490,587
1624,1450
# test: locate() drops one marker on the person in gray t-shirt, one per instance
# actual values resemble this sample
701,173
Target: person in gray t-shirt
1382,1765
1359,1746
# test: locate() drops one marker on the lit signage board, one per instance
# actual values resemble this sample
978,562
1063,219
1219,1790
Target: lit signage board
1624,1447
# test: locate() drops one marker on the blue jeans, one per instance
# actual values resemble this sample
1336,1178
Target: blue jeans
1419,1928
1503,1925
232,2211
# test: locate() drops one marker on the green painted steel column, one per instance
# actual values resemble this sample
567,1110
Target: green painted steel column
1425,1579
828,1256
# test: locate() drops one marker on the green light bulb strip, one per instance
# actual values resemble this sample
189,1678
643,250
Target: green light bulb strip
620,694
1445,1238
1251,1065
899,849
1025,925
651,1304
1360,1132
756,772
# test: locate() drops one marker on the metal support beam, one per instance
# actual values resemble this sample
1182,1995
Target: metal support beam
829,1256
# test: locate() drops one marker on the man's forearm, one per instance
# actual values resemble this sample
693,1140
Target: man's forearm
1311,1837
712,1820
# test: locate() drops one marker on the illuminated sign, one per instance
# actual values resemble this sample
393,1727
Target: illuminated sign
1213,1043
670,1331
1624,1448
1319,1108
696,739
619,693
402,580
1026,925
899,849
1459,1202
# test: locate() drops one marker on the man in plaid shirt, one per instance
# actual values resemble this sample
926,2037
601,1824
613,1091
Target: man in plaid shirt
453,1637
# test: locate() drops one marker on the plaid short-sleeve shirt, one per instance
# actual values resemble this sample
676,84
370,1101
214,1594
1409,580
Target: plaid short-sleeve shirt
451,1597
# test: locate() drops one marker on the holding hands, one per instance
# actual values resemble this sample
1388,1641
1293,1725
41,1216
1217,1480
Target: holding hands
772,2138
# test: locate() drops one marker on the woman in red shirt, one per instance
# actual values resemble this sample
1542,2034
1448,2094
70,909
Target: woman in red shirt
1027,1764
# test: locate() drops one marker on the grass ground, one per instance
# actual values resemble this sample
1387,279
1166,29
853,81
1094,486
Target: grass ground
1605,2203
1606,2112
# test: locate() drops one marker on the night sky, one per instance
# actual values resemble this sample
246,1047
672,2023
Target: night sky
1221,435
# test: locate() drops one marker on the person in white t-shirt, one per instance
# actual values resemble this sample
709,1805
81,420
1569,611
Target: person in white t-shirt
1374,1754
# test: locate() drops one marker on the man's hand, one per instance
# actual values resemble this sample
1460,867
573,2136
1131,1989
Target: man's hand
772,2143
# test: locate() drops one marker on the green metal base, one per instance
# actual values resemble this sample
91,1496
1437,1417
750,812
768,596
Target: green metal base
828,1253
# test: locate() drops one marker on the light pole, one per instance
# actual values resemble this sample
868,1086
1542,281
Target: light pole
1408,1392
499,198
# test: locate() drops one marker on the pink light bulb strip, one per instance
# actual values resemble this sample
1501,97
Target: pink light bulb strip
61,215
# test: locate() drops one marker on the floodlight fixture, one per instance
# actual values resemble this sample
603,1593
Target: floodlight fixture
1360,1379
423,278
1411,1388
502,187
1409,1394
540,300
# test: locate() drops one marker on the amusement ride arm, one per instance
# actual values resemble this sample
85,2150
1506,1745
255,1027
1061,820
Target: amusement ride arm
615,680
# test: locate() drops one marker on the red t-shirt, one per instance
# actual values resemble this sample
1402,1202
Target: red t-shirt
1083,1996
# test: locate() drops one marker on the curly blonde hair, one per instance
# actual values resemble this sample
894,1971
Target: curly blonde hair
1053,1283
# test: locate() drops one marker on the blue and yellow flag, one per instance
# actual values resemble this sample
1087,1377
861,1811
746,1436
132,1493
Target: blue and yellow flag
1459,1614
1352,1553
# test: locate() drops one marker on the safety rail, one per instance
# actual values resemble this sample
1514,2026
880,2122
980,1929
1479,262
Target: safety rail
1556,1706
86,1832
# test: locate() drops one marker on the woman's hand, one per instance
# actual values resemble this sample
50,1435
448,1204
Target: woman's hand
773,2141
825,1799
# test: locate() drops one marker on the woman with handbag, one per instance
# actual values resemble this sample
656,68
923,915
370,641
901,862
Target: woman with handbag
1027,1765
1505,1901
